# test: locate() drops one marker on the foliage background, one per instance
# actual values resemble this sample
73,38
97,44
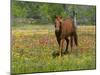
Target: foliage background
44,13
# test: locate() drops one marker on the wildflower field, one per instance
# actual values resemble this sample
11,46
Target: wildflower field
32,47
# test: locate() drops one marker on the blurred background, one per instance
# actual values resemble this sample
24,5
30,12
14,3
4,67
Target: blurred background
44,13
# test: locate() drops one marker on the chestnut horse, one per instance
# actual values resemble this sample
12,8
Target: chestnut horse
65,30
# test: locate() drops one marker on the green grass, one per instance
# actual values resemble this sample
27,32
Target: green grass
32,48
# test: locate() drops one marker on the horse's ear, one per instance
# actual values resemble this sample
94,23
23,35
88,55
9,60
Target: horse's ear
55,16
58,17
61,17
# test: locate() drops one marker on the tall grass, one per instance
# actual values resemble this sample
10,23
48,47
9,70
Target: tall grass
32,48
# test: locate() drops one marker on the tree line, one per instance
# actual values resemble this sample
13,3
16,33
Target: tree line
44,13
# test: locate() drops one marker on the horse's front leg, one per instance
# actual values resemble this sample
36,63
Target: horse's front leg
58,40
67,41
61,47
57,37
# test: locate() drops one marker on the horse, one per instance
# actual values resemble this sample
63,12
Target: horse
65,30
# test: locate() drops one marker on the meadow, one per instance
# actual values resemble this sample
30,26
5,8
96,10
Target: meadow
32,47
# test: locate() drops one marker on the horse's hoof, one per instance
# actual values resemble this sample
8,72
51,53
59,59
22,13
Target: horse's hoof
66,52
54,54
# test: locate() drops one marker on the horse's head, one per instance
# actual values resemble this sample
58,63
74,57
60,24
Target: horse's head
58,22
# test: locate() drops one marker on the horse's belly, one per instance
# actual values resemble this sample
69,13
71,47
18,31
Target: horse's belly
66,32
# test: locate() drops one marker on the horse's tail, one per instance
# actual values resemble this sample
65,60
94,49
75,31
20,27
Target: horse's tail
75,38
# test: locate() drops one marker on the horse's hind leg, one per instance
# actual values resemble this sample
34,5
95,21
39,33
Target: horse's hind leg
71,42
67,40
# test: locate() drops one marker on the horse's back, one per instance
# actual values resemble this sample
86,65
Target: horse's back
67,26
